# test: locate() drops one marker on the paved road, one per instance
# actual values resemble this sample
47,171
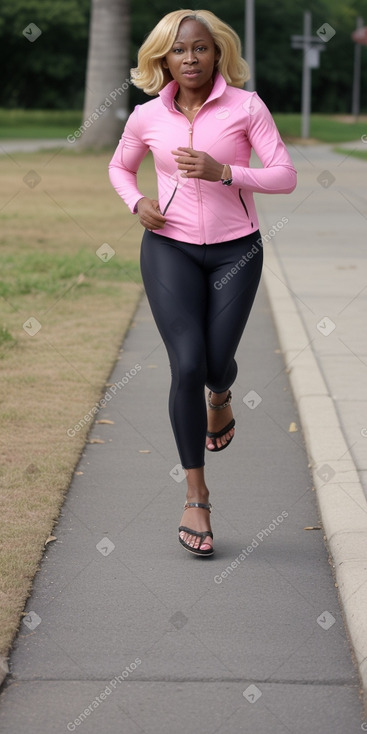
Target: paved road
250,645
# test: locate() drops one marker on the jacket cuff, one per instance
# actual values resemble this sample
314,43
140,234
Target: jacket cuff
134,209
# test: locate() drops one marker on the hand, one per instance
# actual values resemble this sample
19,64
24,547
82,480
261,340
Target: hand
197,164
150,214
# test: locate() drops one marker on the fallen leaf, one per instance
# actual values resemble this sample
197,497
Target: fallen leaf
104,420
313,527
96,440
293,428
51,537
144,451
79,473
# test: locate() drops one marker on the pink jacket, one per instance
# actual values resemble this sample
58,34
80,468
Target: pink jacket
230,123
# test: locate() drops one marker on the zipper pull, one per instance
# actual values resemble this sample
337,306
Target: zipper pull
190,136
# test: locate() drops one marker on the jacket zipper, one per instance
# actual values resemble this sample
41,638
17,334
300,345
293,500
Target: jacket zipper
243,203
168,203
175,189
197,184
244,206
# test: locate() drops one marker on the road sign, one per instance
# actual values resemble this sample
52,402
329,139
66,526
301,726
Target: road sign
313,58
301,41
360,35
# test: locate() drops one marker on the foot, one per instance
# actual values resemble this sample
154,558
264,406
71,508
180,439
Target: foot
197,519
217,420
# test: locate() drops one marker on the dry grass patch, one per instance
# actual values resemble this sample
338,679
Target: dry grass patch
52,225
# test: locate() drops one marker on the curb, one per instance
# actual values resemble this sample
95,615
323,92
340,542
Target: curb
340,496
4,669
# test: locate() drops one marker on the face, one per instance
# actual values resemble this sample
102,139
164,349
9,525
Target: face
193,55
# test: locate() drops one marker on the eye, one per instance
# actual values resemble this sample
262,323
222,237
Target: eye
201,48
177,50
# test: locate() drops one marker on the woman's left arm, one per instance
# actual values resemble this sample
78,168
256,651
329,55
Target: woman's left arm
278,175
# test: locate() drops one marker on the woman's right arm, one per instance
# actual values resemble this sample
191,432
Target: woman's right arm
123,169
125,162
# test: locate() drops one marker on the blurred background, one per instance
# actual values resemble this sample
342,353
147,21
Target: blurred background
49,72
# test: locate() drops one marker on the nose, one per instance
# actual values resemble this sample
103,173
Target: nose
190,58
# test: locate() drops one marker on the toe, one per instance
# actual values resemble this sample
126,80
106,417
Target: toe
194,541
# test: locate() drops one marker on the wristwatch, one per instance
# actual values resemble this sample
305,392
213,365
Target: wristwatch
224,178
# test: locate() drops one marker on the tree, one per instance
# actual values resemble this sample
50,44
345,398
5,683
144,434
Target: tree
49,73
108,78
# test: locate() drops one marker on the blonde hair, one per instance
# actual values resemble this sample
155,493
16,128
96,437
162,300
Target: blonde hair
150,75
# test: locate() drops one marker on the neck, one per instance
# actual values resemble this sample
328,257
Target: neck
193,99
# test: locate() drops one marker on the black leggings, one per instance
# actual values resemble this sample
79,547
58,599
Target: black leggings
201,297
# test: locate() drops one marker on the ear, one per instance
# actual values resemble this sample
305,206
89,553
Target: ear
164,63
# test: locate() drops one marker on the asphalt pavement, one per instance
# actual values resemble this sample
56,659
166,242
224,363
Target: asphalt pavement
127,632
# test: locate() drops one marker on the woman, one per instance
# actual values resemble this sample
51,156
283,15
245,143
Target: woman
201,252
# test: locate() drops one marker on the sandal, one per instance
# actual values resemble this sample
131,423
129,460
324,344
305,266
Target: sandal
204,534
226,428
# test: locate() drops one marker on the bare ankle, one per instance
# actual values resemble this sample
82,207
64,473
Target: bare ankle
197,494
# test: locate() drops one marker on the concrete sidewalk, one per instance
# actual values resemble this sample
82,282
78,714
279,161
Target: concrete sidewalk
316,277
126,632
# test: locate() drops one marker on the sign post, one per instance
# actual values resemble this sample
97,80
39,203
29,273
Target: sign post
250,42
359,37
311,47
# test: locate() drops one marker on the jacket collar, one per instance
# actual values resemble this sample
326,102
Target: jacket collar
168,92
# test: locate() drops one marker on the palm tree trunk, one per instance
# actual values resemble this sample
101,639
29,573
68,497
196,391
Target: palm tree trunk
108,76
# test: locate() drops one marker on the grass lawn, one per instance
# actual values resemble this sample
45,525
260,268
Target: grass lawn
17,124
56,210
323,128
362,154
61,123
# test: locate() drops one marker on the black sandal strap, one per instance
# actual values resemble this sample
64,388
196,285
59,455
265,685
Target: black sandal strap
224,430
203,534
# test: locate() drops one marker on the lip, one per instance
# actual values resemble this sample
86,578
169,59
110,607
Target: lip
192,73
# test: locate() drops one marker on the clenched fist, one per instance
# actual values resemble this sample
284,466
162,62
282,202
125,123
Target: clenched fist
150,214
